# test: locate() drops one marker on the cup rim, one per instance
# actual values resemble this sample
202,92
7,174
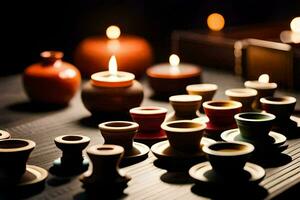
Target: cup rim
62,139
108,149
254,84
148,110
202,87
249,149
235,105
130,126
185,98
30,145
287,100
165,126
270,116
241,92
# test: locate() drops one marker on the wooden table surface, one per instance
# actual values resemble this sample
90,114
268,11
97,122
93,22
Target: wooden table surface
148,181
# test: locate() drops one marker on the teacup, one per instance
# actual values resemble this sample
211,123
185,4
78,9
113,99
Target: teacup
119,133
149,118
184,135
244,95
185,106
281,107
228,158
205,90
14,154
254,124
221,112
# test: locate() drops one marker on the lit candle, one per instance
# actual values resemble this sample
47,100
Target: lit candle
264,88
134,53
173,77
112,93
292,36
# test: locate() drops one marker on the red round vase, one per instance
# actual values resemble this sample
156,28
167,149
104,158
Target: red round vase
52,81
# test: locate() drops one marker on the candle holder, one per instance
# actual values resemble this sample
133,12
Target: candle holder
52,81
4,135
244,95
71,162
104,179
185,107
122,133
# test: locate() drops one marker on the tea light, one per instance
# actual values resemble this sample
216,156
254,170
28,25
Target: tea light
171,78
134,53
292,36
112,91
263,86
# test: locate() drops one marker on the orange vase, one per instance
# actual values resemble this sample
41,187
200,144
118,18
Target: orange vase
51,81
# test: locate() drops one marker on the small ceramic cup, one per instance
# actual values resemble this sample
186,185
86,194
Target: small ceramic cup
221,112
119,133
281,107
186,106
4,135
244,95
149,118
205,90
184,135
254,124
228,158
14,154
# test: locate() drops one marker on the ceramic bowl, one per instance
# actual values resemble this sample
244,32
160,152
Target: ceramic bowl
221,112
244,95
185,105
14,154
228,157
119,133
205,90
149,118
184,135
281,107
254,124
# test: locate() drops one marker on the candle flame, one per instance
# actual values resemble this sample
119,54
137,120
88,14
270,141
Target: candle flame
215,22
113,66
174,61
295,25
113,32
264,78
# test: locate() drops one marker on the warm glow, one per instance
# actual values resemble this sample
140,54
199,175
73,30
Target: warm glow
264,78
295,25
174,62
215,22
113,32
113,66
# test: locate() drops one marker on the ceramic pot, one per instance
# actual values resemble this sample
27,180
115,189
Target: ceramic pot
228,158
14,154
52,80
119,133
244,95
184,135
134,54
205,90
149,118
281,107
254,124
72,147
185,107
112,100
4,135
221,112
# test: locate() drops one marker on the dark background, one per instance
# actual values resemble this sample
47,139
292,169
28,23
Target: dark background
29,27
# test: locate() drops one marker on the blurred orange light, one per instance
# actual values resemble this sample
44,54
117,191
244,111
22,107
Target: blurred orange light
215,22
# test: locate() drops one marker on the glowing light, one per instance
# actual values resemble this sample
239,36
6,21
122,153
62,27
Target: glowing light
295,25
174,61
113,66
264,78
215,22
113,32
